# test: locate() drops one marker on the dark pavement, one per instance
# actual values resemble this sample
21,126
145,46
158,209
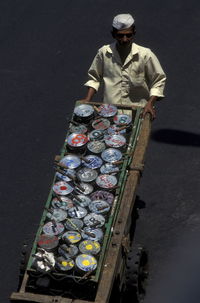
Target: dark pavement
46,48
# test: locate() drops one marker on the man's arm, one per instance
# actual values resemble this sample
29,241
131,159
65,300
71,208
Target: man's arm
90,93
156,81
94,77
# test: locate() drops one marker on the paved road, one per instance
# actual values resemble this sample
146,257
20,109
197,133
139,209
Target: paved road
45,50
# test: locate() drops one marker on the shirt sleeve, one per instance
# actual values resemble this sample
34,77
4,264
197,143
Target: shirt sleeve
156,77
95,72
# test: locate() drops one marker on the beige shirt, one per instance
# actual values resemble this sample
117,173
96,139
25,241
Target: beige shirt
134,82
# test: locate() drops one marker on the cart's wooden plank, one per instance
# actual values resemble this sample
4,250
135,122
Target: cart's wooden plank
122,106
110,266
26,296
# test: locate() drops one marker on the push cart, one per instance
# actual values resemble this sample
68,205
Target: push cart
120,267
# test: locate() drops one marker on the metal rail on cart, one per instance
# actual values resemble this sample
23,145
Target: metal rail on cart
116,241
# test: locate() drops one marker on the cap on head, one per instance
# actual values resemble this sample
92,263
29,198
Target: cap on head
123,21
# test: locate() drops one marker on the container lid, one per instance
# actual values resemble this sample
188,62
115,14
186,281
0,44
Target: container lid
96,234
103,195
83,200
84,110
71,161
77,212
64,264
96,134
89,247
99,207
115,129
115,141
72,236
57,214
87,174
111,155
101,123
68,251
107,110
88,188
53,228
86,262
76,140
66,178
62,188
73,224
106,181
65,204
96,147
122,119
94,161
94,220
109,168
78,129
47,242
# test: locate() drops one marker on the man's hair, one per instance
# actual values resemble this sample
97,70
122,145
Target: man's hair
115,30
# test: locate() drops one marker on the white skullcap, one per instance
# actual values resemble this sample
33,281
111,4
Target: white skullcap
123,21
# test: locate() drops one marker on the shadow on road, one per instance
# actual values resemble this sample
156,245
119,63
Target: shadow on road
177,137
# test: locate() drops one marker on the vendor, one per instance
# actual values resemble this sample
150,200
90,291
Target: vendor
130,74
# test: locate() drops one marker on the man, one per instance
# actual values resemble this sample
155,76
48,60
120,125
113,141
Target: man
130,74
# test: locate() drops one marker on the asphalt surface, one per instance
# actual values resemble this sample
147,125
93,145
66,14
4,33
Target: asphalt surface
45,50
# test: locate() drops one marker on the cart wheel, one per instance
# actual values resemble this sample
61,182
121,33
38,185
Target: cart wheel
136,274
25,252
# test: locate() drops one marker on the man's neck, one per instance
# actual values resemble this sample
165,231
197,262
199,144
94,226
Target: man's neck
123,51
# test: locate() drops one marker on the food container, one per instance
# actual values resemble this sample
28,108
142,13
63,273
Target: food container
71,236
106,181
53,228
96,134
76,142
68,251
43,261
88,189
122,119
71,161
107,110
111,155
93,162
85,263
73,224
62,188
115,141
64,204
99,207
89,247
87,174
78,129
77,212
65,178
64,264
101,124
47,242
83,113
57,214
97,234
109,168
102,195
116,129
96,147
85,200
93,220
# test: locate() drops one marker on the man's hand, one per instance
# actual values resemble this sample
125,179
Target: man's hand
149,108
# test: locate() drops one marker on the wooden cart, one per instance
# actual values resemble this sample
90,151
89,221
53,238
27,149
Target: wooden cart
111,277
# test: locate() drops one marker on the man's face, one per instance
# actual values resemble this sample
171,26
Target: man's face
124,37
